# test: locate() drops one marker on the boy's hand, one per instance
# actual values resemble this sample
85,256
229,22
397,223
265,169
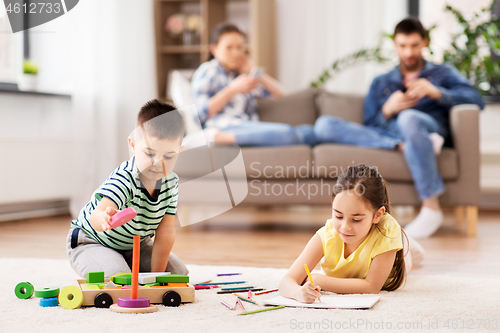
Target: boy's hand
107,214
308,293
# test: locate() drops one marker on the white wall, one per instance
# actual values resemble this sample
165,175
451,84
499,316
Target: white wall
313,34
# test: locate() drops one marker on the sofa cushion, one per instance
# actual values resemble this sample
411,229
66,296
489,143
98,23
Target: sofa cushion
330,160
287,162
294,109
345,106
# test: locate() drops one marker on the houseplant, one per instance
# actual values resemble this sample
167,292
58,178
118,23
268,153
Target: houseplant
472,51
28,79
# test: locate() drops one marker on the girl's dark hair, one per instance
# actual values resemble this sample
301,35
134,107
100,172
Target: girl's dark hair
371,187
221,29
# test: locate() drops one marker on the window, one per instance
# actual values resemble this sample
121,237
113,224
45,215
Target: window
10,49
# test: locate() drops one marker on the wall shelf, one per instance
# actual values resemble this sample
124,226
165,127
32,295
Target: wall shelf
171,54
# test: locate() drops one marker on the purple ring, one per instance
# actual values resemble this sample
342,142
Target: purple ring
127,302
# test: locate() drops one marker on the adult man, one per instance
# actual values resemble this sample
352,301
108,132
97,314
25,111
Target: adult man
408,109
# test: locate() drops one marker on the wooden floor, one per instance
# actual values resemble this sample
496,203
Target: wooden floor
270,238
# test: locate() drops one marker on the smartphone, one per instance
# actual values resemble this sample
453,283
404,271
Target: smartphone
256,72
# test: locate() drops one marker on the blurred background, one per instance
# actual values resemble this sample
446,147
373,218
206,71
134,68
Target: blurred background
66,113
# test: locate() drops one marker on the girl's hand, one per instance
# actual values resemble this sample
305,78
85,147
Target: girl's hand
308,293
107,214
243,84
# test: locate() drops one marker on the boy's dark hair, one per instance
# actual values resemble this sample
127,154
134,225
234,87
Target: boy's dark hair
167,127
410,25
372,188
221,29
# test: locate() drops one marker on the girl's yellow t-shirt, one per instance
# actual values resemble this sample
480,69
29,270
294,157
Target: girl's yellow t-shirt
356,265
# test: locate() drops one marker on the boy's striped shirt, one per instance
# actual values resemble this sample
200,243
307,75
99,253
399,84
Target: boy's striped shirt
123,187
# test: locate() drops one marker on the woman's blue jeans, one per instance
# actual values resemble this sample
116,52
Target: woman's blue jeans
411,127
261,133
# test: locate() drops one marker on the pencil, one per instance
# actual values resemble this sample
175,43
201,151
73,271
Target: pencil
196,287
226,305
310,277
266,291
228,274
241,304
245,299
218,283
238,290
262,310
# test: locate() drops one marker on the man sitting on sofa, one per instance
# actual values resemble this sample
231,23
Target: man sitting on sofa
408,109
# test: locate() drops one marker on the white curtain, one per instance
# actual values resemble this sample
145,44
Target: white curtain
312,34
115,75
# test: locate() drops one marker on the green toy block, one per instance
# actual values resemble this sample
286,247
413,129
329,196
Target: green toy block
123,279
119,274
87,286
154,284
172,278
95,277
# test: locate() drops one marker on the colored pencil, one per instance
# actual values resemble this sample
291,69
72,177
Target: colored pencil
250,295
310,277
228,274
217,283
196,284
196,287
226,305
245,299
241,304
262,310
239,290
266,291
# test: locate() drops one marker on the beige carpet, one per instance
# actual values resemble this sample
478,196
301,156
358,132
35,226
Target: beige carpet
423,301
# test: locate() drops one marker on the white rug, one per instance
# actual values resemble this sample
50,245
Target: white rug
425,300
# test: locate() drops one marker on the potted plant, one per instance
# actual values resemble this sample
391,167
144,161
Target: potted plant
29,77
474,51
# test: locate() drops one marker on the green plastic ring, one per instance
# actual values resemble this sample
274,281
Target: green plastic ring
24,290
47,292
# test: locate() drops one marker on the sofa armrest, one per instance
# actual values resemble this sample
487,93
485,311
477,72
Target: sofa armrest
464,125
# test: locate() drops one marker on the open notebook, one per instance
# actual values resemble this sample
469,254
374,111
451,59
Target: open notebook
329,302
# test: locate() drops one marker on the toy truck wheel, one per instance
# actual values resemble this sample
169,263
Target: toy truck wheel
171,298
103,300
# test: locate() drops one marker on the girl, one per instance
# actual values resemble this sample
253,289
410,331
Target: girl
225,95
360,248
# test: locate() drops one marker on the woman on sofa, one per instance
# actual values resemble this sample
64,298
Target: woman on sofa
225,96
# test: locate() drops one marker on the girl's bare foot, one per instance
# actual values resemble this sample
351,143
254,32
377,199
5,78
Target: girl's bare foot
225,137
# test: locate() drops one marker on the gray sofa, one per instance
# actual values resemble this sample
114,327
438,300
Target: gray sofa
302,174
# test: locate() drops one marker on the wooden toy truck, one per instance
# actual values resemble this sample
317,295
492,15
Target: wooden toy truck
166,295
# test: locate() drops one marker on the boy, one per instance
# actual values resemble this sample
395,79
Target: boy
146,183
